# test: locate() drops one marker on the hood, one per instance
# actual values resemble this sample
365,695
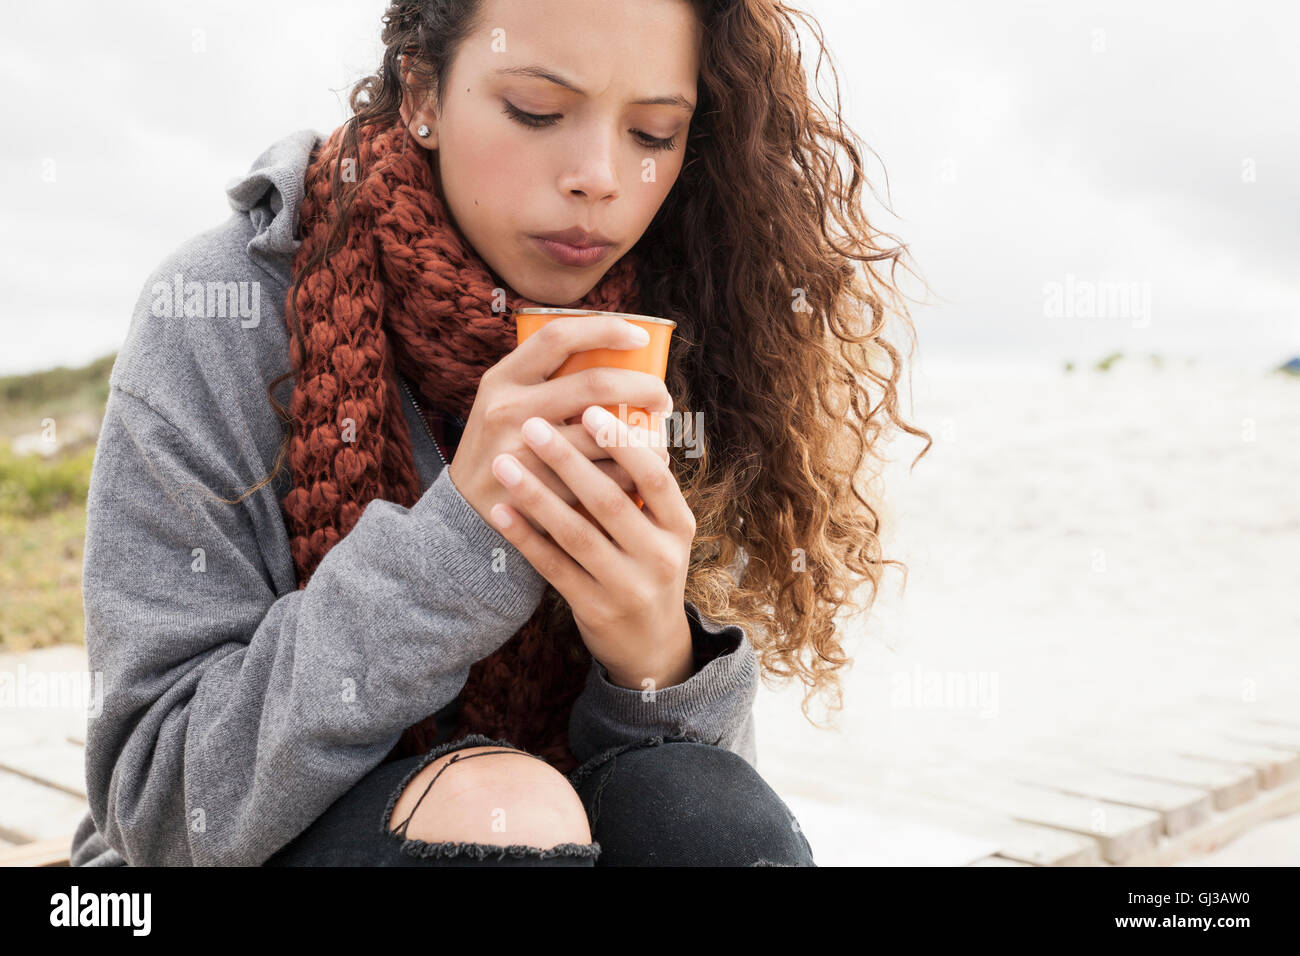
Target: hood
270,193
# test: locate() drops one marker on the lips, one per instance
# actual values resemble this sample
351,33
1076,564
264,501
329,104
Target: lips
574,247
578,237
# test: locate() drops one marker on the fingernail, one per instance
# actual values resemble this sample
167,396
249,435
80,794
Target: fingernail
639,335
597,417
507,470
537,431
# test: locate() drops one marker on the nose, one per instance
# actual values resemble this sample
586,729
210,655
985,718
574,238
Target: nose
593,175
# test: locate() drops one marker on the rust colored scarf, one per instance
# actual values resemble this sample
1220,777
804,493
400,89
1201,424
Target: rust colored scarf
405,291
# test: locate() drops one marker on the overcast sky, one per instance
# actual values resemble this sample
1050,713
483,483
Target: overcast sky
1040,156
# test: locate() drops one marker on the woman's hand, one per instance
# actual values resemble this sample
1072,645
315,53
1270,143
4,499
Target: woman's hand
625,578
520,386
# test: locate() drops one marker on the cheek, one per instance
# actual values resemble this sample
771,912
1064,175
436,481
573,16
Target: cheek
651,195
489,168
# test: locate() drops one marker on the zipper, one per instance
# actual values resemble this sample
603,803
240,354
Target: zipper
419,414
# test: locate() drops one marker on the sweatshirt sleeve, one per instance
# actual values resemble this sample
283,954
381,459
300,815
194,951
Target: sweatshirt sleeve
236,709
716,703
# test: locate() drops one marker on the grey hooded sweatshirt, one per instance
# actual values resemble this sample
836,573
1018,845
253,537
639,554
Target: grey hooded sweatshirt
237,708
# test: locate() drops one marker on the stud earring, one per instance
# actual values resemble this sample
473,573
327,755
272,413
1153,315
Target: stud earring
422,132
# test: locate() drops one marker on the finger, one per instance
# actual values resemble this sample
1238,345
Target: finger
608,467
608,504
539,356
617,474
543,473
582,540
572,581
568,396
612,469
654,481
580,438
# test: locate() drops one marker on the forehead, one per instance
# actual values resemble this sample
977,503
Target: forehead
632,47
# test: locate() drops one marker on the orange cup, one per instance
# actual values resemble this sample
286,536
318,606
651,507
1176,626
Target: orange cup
651,358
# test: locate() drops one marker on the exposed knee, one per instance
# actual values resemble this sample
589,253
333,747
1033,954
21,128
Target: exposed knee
498,799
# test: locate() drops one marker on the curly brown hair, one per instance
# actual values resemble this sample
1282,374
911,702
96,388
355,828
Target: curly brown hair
765,258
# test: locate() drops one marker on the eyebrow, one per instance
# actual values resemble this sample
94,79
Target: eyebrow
542,73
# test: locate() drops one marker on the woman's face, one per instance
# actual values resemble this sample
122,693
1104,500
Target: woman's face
593,162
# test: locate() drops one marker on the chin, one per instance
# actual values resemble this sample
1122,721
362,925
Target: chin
554,294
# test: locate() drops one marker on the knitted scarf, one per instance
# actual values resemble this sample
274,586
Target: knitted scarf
402,290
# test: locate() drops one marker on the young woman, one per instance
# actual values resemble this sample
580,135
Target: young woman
335,579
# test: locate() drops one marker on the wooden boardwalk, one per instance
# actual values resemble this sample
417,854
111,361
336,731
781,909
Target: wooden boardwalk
42,753
1175,786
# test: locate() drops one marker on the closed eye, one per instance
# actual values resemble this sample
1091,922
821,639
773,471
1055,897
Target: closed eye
536,121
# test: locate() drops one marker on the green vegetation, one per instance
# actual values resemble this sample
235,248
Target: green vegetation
43,501
40,577
53,393
1105,364
32,486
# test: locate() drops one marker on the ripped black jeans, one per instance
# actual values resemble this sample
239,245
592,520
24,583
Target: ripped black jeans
663,801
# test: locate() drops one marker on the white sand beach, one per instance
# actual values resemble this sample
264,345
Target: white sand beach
1086,547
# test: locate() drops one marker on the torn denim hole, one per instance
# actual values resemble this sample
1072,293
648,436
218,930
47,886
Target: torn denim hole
576,776
481,851
476,851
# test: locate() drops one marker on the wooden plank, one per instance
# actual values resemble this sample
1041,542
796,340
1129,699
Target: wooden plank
1273,766
1235,723
1180,807
1229,785
1121,831
28,725
45,684
998,861
1284,712
1277,736
1223,827
42,774
1025,842
857,835
31,811
55,764
52,852
59,657
1035,845
1267,717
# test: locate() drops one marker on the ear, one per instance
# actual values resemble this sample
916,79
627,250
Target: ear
419,106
